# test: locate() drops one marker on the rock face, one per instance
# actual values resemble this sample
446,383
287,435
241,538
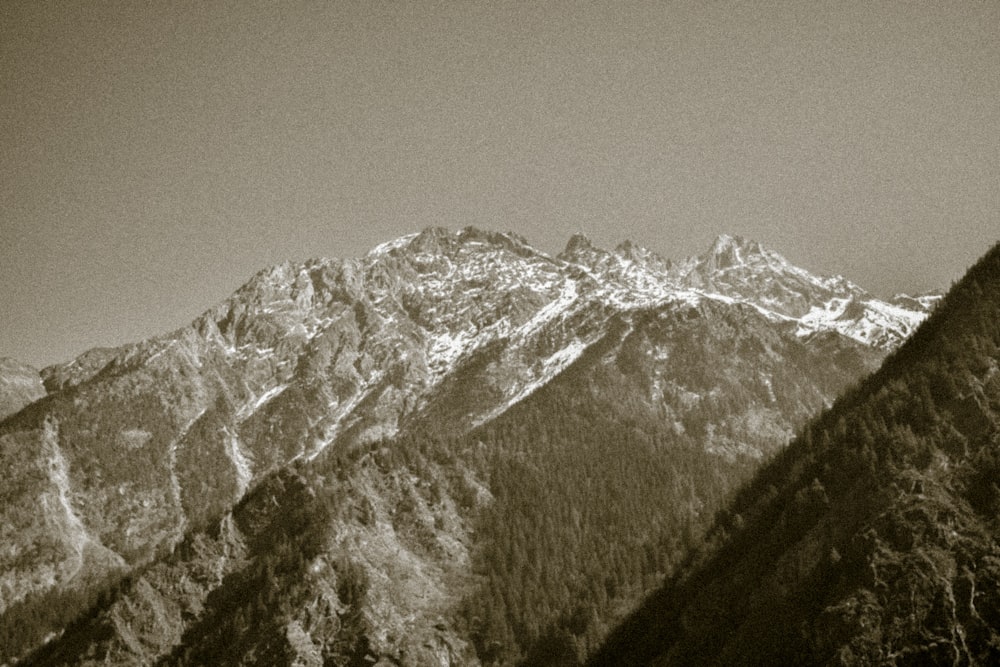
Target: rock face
20,384
747,271
873,538
137,450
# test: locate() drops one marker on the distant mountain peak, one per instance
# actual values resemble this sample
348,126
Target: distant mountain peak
636,253
732,251
578,243
735,255
432,240
726,241
441,240
733,267
738,268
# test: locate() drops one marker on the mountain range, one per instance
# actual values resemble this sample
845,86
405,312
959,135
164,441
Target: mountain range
354,459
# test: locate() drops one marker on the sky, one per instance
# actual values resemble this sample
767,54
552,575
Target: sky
156,155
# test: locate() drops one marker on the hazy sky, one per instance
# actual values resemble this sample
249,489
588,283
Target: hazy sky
155,155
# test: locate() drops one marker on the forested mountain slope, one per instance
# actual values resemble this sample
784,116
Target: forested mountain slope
872,539
606,476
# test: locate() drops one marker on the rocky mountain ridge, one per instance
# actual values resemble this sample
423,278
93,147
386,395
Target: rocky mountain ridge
445,294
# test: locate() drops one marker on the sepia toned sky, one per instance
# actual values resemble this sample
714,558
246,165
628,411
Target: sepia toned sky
155,155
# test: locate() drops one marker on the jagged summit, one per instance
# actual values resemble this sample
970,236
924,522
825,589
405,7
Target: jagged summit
452,291
641,255
746,270
580,249
733,268
728,251
579,246
441,240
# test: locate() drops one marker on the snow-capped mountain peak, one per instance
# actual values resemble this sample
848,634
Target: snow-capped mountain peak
733,251
746,271
642,256
734,260
580,250
405,316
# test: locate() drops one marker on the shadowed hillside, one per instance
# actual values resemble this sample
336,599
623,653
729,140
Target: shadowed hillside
872,539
